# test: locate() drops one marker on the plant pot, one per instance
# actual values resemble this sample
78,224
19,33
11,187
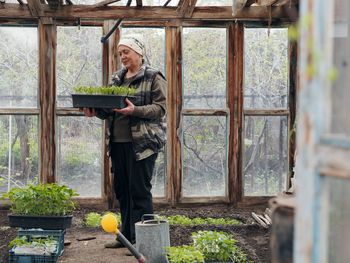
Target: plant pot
43,222
100,101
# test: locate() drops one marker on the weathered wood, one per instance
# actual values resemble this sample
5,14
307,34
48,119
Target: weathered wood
147,12
237,125
259,220
105,2
35,8
263,112
173,74
12,111
204,200
232,161
266,2
239,5
47,101
254,201
206,112
293,87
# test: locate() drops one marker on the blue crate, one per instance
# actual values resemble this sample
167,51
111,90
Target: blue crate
55,234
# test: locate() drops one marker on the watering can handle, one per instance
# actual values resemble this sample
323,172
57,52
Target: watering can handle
155,216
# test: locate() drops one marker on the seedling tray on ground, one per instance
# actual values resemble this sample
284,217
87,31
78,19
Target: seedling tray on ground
57,235
100,101
43,222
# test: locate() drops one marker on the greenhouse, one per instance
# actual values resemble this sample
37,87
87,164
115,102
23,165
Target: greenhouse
231,140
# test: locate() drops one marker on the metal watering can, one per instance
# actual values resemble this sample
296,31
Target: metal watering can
152,236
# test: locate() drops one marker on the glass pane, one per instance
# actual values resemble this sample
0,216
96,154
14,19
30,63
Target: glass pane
340,91
79,154
338,219
204,144
214,3
204,68
158,179
18,151
265,68
18,67
154,40
79,60
265,155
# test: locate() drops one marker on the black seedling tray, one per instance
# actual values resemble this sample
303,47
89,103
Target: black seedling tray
43,222
100,101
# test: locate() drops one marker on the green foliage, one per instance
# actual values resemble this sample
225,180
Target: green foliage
93,219
38,241
110,90
218,246
43,199
184,220
184,254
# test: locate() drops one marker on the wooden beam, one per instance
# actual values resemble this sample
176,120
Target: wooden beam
105,2
186,7
35,8
47,101
147,12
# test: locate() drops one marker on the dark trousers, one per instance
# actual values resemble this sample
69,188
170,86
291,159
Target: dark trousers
132,186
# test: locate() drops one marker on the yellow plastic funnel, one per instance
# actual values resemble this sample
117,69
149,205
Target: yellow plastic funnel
109,223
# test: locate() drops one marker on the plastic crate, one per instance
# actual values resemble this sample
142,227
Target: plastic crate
56,234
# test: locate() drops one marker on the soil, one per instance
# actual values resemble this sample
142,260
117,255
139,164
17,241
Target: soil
252,238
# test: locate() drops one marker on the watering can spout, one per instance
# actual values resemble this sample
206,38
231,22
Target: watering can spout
109,224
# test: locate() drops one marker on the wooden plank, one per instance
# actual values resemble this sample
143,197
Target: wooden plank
271,112
232,154
238,61
105,2
172,35
147,12
11,111
206,112
293,87
111,63
47,101
204,200
266,2
35,8
190,9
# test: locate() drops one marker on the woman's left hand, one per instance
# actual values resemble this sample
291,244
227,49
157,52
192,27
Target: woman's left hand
128,110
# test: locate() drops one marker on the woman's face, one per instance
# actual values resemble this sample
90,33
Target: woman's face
129,58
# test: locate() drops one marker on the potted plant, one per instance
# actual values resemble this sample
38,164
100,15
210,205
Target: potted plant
218,247
102,97
46,206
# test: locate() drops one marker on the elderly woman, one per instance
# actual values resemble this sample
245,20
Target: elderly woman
137,134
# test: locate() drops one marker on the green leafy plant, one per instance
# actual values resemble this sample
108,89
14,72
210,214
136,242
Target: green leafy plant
184,254
42,199
218,246
105,90
184,220
93,219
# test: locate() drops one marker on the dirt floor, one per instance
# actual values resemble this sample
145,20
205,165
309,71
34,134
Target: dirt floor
253,239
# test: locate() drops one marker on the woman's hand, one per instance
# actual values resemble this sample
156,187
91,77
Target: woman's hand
88,112
128,110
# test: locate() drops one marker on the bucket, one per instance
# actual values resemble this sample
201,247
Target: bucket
152,236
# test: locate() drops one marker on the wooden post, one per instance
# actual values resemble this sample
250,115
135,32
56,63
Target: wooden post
174,104
235,104
47,100
110,63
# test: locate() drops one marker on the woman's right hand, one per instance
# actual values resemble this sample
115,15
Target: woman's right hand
89,112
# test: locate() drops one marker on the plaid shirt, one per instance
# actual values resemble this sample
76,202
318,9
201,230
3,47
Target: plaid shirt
147,123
